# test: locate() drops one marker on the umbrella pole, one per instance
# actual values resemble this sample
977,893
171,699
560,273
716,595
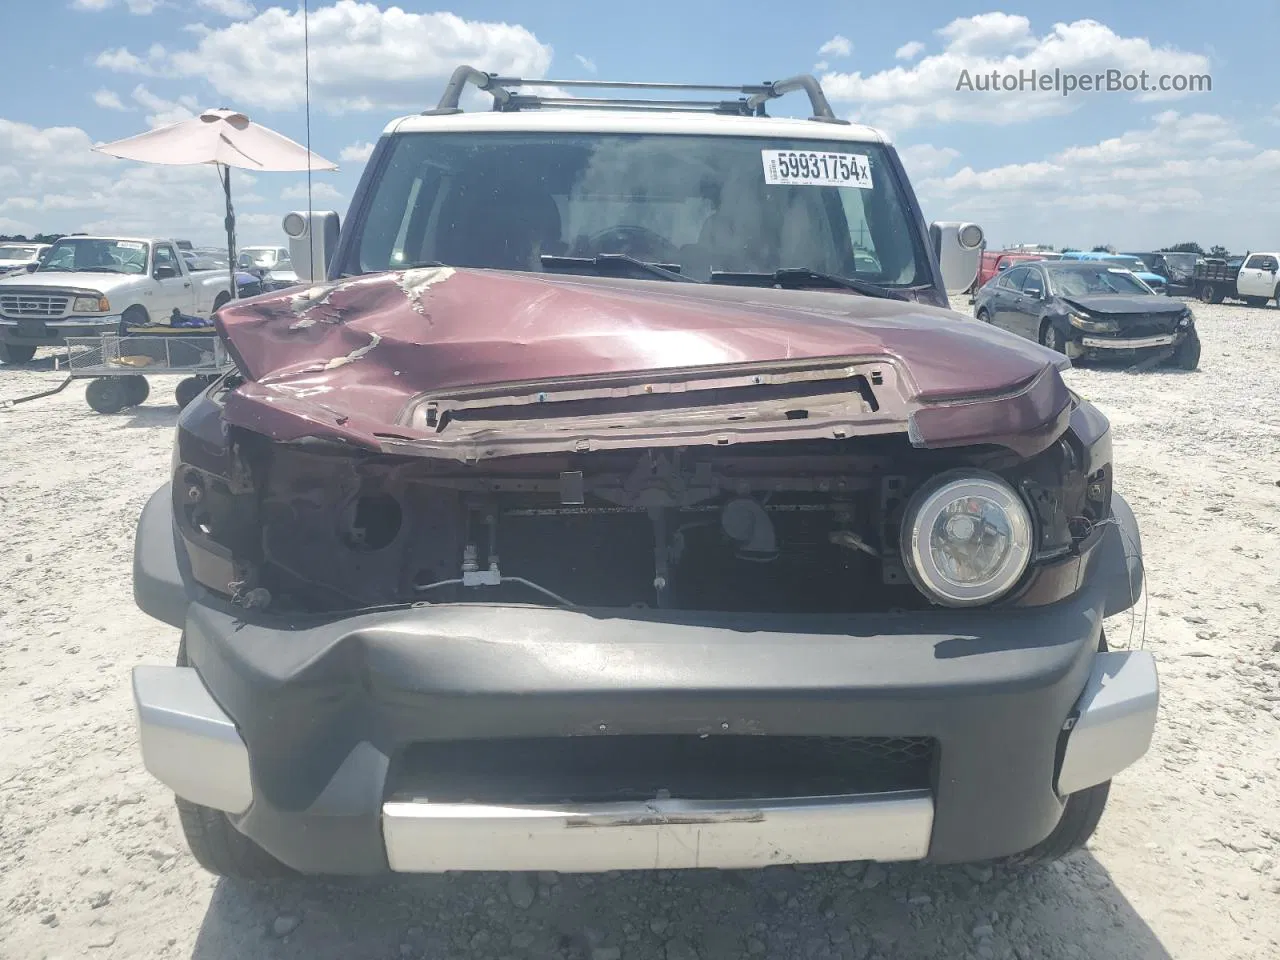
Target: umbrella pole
230,223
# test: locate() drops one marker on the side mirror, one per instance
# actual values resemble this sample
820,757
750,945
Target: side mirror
1034,293
958,247
166,273
32,267
313,237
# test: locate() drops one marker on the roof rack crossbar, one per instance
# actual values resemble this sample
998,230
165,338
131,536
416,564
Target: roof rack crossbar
755,95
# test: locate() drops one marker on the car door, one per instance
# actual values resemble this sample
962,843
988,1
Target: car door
1009,298
1024,320
173,285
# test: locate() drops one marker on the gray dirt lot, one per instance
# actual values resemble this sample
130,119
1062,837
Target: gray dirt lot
1186,863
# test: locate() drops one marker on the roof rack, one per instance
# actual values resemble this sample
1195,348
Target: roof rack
750,104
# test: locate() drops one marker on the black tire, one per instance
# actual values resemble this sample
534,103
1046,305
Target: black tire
1051,337
218,846
983,316
12,353
220,301
1275,296
1210,294
137,390
1187,355
1079,821
135,316
1255,301
187,390
107,394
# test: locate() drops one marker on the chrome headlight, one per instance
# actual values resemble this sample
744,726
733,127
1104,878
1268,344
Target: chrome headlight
98,304
1093,326
966,538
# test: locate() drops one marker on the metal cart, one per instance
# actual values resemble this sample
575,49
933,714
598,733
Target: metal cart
118,365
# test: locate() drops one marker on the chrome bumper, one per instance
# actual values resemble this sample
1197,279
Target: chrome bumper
191,745
1134,343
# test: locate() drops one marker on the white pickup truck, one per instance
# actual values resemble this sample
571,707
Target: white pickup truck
90,285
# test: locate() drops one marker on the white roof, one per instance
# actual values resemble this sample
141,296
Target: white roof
118,239
621,121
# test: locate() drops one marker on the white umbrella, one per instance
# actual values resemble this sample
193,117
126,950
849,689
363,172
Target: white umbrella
226,139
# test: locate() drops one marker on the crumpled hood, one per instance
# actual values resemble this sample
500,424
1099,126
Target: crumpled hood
1120,304
344,359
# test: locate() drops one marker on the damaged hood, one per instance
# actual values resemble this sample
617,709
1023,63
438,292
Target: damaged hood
355,360
1120,304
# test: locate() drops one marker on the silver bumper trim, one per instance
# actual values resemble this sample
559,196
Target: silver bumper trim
188,743
424,837
1117,716
1134,343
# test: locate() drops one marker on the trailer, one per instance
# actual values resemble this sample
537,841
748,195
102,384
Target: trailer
118,365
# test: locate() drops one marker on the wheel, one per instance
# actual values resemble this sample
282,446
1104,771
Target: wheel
220,301
1051,337
12,353
1187,355
984,316
1210,294
107,394
1079,820
187,390
137,390
1275,296
218,846
1255,301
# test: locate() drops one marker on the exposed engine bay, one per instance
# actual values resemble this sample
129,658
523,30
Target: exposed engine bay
803,526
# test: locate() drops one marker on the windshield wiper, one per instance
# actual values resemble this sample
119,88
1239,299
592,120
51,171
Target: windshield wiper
797,278
618,261
97,270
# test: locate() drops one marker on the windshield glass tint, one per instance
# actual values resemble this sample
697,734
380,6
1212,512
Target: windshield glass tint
504,200
119,256
1085,282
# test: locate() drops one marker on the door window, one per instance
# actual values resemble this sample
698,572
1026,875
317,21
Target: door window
165,257
1257,262
1013,278
1032,282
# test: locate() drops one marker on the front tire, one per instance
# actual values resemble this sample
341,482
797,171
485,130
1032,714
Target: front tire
1210,294
1079,820
1187,355
983,316
1051,337
12,353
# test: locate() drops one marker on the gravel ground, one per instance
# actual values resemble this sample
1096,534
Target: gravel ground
1186,862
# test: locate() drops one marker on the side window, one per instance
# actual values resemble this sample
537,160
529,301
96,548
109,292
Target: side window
1269,264
1257,262
1013,278
1033,281
165,257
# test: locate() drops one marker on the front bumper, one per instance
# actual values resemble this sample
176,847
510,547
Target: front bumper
1022,707
50,333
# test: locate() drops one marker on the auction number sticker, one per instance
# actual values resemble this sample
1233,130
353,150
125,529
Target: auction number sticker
815,169
130,245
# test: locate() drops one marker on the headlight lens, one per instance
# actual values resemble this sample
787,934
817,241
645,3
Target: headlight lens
97,304
967,539
1093,326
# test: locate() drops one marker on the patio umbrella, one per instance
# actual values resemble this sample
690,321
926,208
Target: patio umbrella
226,139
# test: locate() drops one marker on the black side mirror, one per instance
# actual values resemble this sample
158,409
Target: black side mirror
32,267
166,273
1035,293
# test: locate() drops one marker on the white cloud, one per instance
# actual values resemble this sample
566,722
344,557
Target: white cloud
924,159
837,46
820,66
163,112
55,182
108,100
1183,175
362,57
906,96
140,7
356,153
586,63
235,9
321,192
909,51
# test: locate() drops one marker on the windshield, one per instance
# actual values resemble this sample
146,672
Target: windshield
257,257
97,256
1136,264
694,203
1080,282
1182,264
17,253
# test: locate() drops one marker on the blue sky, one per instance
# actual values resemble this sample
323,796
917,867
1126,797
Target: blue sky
1091,168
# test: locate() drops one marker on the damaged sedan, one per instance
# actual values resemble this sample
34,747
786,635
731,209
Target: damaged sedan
624,496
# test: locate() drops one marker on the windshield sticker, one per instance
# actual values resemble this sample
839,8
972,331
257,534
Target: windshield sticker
813,169
130,245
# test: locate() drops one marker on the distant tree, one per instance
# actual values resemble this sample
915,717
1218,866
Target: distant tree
1187,246
1069,250
1102,248
1219,251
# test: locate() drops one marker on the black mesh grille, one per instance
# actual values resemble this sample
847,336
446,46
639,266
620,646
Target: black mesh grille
616,768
